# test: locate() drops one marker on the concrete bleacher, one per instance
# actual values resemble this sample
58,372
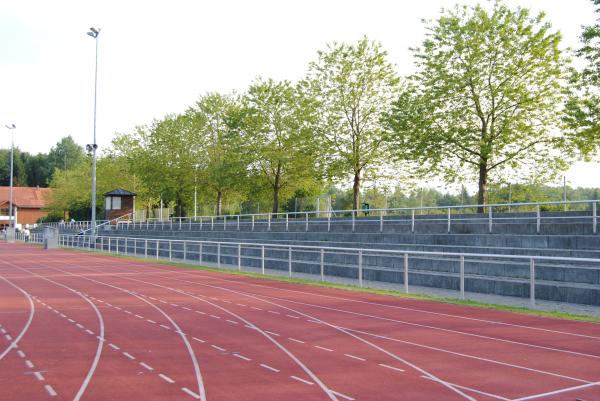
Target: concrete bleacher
557,234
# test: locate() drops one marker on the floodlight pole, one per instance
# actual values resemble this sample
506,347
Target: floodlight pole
94,34
11,127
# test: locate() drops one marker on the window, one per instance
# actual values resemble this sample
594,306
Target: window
107,207
116,202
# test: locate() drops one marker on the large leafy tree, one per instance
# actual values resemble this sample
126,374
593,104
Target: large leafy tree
65,154
277,132
487,97
220,163
354,85
583,111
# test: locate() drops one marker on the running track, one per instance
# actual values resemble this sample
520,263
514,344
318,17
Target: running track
78,326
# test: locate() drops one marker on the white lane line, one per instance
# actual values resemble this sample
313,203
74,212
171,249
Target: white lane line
199,340
15,343
2,330
89,331
71,320
185,307
383,365
118,308
150,321
202,313
214,316
79,325
108,304
38,376
21,353
161,301
128,355
190,392
166,378
242,357
313,321
175,305
271,333
8,337
473,390
50,390
100,338
240,305
232,321
355,357
274,312
219,348
128,312
99,300
146,366
113,346
139,316
165,327
344,396
272,369
295,340
255,308
29,364
152,298
564,390
226,301
302,380
293,317
63,315
323,348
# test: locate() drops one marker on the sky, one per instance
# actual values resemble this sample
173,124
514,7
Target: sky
159,57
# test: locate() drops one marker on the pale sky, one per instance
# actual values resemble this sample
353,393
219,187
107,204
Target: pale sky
158,57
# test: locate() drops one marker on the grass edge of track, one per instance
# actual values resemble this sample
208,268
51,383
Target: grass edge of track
356,288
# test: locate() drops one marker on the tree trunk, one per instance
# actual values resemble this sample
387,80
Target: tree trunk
276,188
356,191
482,193
219,202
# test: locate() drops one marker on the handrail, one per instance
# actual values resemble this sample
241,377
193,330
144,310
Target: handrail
401,209
108,222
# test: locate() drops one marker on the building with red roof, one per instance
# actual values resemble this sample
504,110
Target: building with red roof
29,204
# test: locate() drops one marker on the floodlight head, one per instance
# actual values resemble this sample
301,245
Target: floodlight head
94,32
10,126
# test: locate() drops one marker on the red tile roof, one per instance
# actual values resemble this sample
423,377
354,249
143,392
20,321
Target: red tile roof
27,197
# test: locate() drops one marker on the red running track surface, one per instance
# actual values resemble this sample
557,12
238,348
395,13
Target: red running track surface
78,326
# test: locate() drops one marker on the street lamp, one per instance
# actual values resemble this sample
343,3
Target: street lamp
195,198
11,127
94,34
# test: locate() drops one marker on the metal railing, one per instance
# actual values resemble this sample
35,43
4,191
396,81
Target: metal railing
357,265
586,210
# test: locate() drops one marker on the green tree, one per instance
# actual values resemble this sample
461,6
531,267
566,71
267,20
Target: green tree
583,109
65,154
277,131
19,168
486,99
353,85
220,161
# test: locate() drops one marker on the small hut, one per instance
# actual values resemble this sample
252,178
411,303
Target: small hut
119,202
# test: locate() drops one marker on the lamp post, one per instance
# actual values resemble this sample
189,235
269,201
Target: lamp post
195,192
11,127
94,34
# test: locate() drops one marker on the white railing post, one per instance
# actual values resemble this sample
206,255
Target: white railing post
189,224
360,268
212,222
225,223
594,218
412,221
381,221
462,277
135,247
171,224
218,254
157,248
201,219
146,248
287,222
353,221
490,218
238,222
290,261
406,273
322,264
239,258
269,222
306,228
532,282
449,220
108,244
184,251
262,259
125,246
328,222
102,243
538,219
200,253
252,222
170,246
180,224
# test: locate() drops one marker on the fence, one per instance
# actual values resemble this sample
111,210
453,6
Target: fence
513,275
448,215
